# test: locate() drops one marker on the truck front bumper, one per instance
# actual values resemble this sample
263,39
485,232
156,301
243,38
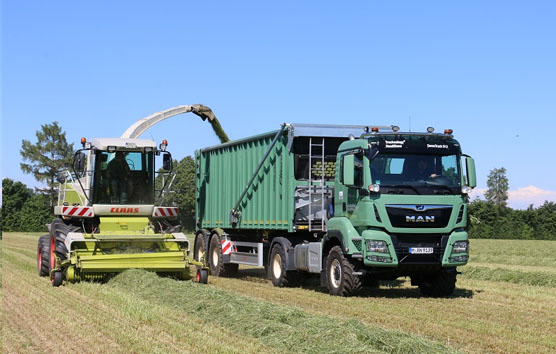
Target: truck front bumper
400,249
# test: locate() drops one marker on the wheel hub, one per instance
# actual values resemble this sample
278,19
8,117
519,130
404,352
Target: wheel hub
277,266
335,273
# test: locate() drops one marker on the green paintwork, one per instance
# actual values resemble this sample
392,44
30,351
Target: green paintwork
471,175
133,224
223,172
71,196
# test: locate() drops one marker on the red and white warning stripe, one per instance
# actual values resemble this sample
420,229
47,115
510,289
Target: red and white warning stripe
80,211
165,212
226,247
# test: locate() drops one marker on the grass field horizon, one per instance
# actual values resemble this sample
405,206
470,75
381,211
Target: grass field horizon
505,302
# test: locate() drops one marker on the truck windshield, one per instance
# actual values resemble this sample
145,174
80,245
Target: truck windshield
417,173
123,177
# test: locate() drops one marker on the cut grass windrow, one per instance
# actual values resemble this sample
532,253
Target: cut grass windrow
546,279
280,327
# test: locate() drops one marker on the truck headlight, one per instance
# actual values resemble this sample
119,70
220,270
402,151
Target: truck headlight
459,247
377,246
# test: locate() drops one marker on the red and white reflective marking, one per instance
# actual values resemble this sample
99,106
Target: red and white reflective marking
226,247
81,211
165,212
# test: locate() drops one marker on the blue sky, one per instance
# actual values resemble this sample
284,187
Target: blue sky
485,69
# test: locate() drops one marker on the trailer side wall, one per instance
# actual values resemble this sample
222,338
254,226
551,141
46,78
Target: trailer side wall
222,173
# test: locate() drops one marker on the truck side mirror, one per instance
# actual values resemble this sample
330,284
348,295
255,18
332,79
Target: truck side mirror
348,168
167,162
470,171
79,162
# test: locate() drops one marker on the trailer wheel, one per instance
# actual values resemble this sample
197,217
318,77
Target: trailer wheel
439,284
43,256
339,274
216,262
199,246
56,278
202,276
277,268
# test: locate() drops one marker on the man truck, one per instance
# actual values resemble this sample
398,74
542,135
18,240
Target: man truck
352,204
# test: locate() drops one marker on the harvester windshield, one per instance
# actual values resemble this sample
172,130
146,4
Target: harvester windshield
123,177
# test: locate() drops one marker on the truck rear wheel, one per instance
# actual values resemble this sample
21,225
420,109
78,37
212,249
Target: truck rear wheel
217,266
440,284
277,268
43,256
339,274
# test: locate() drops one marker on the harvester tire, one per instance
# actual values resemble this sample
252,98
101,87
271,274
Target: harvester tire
43,256
339,274
202,276
440,284
59,231
217,266
277,269
57,278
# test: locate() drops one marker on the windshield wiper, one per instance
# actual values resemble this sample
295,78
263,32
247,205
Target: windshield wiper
400,186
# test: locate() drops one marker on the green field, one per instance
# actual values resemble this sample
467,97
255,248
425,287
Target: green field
505,302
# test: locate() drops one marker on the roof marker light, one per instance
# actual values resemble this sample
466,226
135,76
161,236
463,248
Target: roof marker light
395,128
430,130
448,131
374,129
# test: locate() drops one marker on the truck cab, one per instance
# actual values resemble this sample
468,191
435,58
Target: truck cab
400,207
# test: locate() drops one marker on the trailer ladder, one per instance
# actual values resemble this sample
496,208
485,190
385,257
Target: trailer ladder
318,170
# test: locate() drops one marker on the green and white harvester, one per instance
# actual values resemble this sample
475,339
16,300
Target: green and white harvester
112,211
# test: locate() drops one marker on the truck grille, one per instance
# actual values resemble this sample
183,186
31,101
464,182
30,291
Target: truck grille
403,242
419,216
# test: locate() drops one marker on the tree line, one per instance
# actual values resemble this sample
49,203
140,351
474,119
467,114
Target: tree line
25,209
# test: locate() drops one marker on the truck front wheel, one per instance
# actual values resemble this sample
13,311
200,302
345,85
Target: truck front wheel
439,284
339,274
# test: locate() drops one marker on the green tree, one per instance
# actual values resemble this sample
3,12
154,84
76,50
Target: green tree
184,185
498,186
35,214
14,196
47,157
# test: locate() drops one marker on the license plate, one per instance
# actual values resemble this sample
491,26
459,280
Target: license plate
421,250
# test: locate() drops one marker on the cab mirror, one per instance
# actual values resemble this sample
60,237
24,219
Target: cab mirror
79,162
167,162
470,171
348,167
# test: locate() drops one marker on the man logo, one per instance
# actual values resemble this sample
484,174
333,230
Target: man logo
420,207
419,218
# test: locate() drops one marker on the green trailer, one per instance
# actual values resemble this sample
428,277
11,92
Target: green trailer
353,204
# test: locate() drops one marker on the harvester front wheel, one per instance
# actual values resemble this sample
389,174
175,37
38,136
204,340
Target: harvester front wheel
43,256
202,276
217,266
339,274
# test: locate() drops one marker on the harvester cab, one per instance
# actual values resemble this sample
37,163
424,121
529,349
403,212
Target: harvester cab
115,210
